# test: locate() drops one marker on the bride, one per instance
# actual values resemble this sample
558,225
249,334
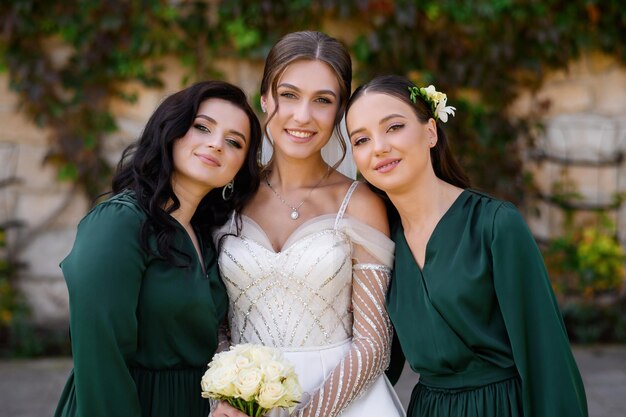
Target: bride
307,262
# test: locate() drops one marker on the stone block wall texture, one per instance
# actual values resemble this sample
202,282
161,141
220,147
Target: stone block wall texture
583,140
586,119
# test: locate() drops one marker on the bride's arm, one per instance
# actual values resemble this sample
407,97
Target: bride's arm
368,356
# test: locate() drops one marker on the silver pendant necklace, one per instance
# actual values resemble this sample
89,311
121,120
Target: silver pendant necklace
294,209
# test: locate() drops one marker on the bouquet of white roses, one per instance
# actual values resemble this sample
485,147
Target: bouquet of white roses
253,379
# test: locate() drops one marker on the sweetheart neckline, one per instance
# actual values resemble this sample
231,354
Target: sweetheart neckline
288,244
291,246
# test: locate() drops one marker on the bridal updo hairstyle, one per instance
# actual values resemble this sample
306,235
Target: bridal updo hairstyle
309,46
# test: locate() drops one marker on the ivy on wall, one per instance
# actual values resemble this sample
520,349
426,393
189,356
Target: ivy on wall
66,60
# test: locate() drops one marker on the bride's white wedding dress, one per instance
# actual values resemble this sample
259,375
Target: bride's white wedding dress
321,300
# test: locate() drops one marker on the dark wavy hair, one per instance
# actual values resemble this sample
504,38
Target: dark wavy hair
146,168
445,165
309,46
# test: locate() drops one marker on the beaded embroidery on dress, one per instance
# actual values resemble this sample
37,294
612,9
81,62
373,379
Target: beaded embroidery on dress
321,299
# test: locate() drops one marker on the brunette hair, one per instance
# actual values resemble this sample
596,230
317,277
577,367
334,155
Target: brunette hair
311,46
146,167
445,165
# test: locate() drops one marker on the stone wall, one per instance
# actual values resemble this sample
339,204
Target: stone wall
590,97
48,209
582,142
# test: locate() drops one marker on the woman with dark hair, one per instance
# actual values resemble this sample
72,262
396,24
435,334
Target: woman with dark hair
469,297
145,295
308,269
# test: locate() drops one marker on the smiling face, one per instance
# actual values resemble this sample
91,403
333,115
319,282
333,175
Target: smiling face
308,100
390,146
214,148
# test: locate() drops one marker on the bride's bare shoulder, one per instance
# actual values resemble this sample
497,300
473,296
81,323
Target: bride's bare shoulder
368,208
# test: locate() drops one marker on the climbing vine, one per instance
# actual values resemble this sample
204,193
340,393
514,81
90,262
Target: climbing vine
67,60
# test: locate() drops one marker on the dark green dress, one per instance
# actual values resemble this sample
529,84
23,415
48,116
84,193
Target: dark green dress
142,330
480,322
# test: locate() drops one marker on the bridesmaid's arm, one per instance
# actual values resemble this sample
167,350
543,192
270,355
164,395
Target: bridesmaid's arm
551,382
103,274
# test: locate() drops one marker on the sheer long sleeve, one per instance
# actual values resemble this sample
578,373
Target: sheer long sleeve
368,356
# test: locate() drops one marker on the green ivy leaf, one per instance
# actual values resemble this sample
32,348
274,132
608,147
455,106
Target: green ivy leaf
68,172
89,142
242,36
361,49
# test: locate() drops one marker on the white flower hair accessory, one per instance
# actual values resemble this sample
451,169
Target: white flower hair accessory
435,99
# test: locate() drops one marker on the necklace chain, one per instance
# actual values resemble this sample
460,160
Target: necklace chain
294,209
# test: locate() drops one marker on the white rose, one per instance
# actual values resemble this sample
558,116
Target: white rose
293,393
243,362
263,354
248,382
206,383
242,349
274,371
270,394
220,379
222,358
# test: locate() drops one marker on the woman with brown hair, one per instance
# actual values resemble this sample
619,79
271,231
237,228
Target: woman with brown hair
308,266
470,298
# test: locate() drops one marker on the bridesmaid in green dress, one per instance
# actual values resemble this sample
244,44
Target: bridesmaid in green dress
145,295
470,298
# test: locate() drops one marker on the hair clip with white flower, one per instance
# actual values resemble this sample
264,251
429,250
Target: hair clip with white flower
435,99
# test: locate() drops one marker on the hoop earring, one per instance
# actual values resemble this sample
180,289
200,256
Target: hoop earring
228,190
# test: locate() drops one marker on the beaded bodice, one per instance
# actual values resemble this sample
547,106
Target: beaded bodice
297,297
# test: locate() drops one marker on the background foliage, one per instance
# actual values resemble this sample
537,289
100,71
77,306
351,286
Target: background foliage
68,60
481,52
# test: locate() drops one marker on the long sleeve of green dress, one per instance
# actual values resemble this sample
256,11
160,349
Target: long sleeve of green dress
551,384
142,330
103,275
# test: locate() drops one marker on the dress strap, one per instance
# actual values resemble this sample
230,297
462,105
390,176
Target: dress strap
344,203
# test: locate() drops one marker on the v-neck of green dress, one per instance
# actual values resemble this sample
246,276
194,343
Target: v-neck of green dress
191,248
458,201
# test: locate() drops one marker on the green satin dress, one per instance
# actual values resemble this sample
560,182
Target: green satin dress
142,330
480,322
